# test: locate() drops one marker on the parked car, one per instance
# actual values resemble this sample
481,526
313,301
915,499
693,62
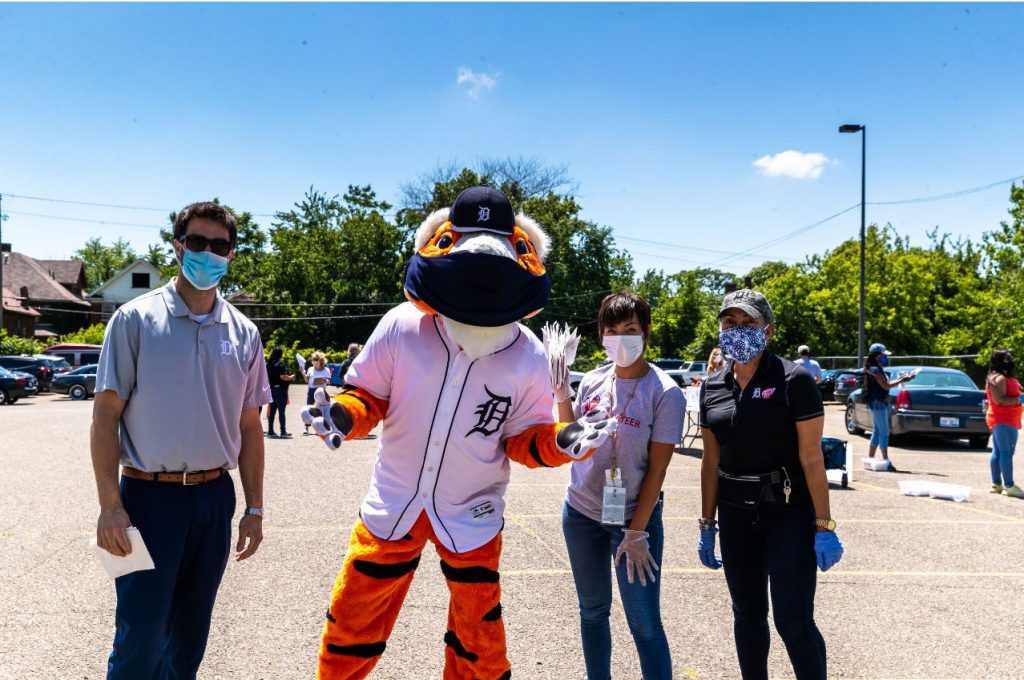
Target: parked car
14,386
667,364
77,384
942,402
845,382
76,354
41,367
828,382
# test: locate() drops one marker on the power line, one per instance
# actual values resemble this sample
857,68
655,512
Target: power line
82,219
952,194
109,205
784,237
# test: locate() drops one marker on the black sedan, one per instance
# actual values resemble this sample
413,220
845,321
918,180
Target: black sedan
942,402
77,384
15,386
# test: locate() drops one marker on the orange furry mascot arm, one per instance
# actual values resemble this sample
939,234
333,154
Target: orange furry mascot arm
553,444
364,410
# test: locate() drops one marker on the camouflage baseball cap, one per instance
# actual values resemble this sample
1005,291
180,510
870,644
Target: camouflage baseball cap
750,301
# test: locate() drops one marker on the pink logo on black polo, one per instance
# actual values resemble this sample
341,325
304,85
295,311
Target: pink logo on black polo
767,393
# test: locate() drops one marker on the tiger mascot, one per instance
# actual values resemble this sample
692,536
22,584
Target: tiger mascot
462,388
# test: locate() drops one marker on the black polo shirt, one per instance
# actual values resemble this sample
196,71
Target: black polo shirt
756,426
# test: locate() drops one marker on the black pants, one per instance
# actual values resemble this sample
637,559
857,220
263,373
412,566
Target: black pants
774,546
280,400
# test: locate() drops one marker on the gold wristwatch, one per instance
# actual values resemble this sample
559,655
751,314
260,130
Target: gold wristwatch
825,524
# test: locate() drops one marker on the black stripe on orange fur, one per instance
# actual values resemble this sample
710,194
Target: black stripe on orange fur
494,614
469,574
452,640
535,452
382,570
365,651
507,675
331,618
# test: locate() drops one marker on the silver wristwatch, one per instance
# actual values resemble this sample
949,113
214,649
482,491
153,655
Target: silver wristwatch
254,511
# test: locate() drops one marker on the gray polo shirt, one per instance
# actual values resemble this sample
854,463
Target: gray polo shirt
185,382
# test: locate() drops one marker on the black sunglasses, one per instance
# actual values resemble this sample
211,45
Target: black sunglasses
197,243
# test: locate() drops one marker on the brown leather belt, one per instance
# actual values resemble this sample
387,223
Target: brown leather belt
185,478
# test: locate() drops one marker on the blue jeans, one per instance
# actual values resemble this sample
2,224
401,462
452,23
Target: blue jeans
163,615
880,424
1004,441
772,547
591,547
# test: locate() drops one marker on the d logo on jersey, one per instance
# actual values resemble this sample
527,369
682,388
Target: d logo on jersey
492,414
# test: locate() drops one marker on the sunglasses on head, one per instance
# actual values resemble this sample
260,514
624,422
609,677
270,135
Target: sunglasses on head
197,243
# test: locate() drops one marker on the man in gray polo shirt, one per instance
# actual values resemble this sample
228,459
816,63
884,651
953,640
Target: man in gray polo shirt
178,390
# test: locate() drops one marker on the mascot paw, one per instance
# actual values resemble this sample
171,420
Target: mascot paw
328,419
587,433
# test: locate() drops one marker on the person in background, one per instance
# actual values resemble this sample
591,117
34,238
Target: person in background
353,351
809,364
317,375
716,361
877,386
180,378
1004,419
763,473
649,407
279,378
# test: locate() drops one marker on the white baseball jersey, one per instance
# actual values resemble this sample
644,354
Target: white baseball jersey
441,450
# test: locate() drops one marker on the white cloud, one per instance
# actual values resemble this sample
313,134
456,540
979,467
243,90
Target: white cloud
794,164
476,82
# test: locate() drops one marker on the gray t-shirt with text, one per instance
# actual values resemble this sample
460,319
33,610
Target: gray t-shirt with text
655,413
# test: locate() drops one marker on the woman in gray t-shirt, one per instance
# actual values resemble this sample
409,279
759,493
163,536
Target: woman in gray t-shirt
613,504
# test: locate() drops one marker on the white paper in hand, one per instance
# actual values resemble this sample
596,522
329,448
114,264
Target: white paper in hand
137,560
302,362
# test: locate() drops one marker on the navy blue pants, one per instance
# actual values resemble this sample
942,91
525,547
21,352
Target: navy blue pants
773,547
163,615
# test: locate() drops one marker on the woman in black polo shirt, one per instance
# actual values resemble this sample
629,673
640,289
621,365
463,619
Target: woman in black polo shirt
764,474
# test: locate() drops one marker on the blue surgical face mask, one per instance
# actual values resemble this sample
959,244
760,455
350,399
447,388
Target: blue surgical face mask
743,343
884,360
203,270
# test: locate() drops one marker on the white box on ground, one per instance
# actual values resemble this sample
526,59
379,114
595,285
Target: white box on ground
952,492
915,487
875,464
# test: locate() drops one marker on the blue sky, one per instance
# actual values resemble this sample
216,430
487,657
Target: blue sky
659,111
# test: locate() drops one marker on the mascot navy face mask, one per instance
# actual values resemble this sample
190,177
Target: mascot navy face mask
476,289
743,343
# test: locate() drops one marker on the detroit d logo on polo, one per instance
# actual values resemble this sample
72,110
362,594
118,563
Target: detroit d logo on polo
225,348
491,414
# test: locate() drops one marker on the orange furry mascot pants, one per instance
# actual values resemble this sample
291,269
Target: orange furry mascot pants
372,585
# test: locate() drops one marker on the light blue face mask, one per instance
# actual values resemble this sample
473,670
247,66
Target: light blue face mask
203,270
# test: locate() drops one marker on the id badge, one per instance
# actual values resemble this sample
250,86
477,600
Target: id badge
613,505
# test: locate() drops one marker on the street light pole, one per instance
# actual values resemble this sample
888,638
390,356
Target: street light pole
863,130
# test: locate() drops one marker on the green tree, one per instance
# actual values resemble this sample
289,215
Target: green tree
92,335
102,261
342,252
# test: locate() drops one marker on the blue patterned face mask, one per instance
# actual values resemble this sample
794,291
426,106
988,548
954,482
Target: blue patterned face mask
743,343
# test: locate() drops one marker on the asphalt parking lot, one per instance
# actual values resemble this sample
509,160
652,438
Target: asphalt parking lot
927,589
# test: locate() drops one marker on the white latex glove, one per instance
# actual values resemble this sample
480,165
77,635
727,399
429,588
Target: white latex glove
562,390
639,560
587,433
329,419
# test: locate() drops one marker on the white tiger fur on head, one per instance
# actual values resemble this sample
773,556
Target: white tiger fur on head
537,236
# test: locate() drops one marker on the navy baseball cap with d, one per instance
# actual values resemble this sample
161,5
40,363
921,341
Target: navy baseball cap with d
483,209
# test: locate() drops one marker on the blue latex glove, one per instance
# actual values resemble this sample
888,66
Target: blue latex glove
706,549
827,549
